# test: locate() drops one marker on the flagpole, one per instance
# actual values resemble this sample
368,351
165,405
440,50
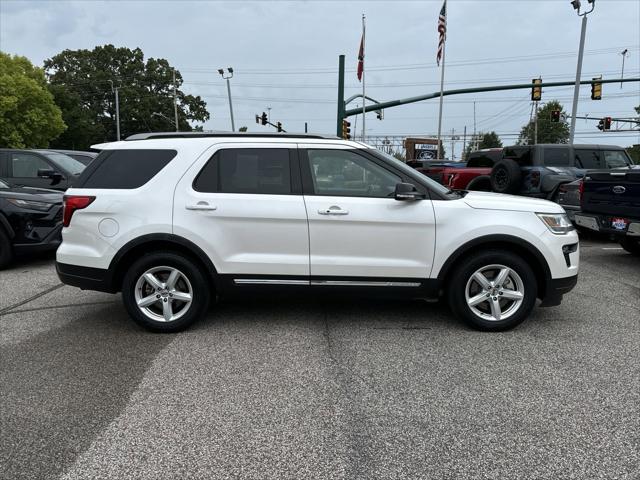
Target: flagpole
444,48
363,74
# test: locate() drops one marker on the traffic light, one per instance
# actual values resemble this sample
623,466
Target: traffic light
596,90
536,90
279,126
263,118
555,116
604,124
258,119
346,130
379,115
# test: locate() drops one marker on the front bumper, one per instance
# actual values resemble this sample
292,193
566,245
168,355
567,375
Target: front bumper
556,288
602,223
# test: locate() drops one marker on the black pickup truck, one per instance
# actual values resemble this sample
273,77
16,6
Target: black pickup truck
611,204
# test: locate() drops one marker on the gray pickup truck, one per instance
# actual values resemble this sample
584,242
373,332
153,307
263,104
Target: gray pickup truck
611,204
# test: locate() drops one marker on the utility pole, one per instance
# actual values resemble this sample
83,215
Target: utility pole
227,77
576,90
453,132
115,90
475,137
464,140
175,100
269,114
535,123
341,106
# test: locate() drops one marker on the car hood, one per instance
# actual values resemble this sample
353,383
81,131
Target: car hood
35,194
498,201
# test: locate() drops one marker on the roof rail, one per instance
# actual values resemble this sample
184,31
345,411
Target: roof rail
152,135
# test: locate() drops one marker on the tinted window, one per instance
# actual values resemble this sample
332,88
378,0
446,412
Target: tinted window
556,157
615,159
522,155
26,165
347,174
588,159
83,159
246,170
124,169
483,159
71,165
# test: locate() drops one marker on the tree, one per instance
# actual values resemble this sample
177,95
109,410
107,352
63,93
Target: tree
634,150
483,140
242,129
83,83
29,117
548,132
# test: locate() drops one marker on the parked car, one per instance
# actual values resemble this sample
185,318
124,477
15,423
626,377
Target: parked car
39,168
611,204
539,170
172,220
30,220
84,158
477,174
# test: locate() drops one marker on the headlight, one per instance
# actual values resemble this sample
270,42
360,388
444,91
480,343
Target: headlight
558,223
30,204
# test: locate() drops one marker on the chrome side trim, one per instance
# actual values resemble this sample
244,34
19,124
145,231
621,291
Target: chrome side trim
347,283
264,281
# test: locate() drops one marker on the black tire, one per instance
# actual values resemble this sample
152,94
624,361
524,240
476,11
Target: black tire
6,251
461,278
190,278
631,245
506,176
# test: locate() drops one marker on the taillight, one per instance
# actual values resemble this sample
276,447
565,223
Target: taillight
581,190
71,203
535,178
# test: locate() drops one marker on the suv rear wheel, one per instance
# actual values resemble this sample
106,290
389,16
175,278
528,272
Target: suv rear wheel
493,291
165,292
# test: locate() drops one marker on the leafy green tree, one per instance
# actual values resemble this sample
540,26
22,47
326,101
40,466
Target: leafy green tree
242,129
28,115
83,83
634,150
548,132
483,140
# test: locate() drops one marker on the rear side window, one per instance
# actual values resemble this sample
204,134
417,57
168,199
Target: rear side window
556,157
246,170
124,169
521,155
588,159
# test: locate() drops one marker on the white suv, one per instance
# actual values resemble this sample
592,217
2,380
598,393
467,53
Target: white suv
172,220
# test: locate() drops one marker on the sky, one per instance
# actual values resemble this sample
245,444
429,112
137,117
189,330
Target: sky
285,57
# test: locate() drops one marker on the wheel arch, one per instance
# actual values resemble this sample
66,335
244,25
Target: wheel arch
516,245
153,243
480,180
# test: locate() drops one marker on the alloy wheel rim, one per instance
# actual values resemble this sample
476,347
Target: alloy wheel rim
163,294
494,292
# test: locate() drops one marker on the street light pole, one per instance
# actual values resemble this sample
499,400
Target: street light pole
576,90
115,89
175,101
227,77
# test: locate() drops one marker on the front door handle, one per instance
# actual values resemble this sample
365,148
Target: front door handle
333,210
204,206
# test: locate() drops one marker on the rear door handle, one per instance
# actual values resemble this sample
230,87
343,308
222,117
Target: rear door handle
333,210
201,206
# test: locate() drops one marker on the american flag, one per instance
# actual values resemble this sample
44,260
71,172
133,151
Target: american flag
442,31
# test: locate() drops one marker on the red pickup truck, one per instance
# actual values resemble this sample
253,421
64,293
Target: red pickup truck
474,175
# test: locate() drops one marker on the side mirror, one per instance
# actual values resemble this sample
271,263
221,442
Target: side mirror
407,191
47,173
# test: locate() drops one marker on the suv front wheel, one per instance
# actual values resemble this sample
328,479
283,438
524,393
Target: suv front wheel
165,292
493,291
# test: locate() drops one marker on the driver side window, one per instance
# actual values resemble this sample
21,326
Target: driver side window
26,165
342,173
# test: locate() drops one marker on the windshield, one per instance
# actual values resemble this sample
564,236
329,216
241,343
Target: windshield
410,171
616,159
71,165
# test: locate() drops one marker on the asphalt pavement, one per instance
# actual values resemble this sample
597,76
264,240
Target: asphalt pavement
306,389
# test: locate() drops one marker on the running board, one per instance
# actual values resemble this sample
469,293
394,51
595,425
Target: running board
325,283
